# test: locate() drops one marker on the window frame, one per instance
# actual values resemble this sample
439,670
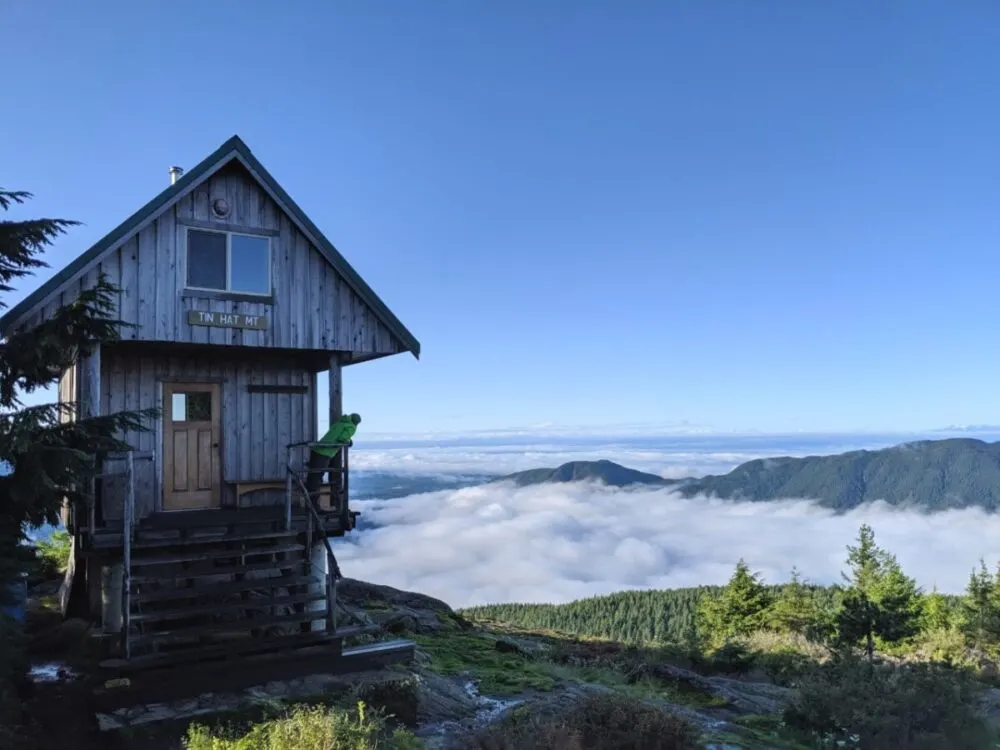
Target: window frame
229,261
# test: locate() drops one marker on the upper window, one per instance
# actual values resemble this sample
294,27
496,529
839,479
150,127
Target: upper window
229,262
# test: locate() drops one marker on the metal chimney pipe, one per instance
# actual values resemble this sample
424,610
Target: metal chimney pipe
175,174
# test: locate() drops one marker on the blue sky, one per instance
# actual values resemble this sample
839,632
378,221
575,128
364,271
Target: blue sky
776,216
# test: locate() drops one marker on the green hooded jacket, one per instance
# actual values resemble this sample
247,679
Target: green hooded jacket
340,433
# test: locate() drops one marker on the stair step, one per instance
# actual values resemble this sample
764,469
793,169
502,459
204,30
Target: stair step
215,517
147,543
222,589
211,609
215,554
207,570
215,651
181,634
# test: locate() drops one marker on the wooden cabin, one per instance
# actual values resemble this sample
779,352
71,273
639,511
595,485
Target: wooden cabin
236,302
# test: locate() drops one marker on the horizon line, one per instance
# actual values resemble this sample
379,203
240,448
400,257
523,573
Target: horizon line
651,430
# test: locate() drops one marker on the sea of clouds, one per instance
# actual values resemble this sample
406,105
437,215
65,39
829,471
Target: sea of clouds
556,543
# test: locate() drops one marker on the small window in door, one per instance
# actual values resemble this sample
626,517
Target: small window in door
194,406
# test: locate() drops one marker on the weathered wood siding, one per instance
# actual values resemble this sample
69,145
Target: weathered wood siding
312,306
67,392
256,427
67,395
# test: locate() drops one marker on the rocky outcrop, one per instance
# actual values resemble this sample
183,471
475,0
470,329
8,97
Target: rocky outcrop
399,612
743,696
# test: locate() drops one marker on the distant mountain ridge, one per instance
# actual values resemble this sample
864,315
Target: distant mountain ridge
931,475
608,472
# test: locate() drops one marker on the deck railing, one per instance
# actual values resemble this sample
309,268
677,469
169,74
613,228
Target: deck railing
339,472
296,480
128,531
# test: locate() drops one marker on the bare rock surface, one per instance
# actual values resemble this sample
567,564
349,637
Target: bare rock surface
399,611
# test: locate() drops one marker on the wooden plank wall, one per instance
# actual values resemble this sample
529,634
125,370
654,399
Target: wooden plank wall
256,427
67,391
67,395
313,307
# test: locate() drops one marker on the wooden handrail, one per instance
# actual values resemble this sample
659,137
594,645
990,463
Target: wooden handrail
128,523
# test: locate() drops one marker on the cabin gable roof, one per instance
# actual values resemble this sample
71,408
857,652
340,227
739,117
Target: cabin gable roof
234,148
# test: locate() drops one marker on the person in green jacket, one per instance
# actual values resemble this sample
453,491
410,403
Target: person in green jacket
340,434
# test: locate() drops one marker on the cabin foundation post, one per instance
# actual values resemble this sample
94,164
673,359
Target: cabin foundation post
94,578
111,597
317,558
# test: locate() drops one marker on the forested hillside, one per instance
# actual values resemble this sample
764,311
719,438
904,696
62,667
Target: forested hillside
931,475
634,617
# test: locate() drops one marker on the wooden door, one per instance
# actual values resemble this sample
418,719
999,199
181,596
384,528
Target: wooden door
192,472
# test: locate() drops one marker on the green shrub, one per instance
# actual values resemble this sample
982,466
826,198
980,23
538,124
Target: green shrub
398,699
307,728
600,722
910,707
785,665
53,554
733,657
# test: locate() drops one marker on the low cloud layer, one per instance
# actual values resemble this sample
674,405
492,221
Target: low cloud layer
557,543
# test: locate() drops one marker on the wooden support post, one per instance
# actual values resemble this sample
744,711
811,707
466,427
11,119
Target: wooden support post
288,488
127,554
336,412
331,596
345,478
89,405
336,389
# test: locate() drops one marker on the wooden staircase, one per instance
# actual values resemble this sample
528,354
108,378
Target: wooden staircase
211,592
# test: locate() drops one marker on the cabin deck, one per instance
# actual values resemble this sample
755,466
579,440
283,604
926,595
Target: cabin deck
194,524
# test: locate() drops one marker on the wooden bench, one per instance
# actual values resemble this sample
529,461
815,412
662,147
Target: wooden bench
245,487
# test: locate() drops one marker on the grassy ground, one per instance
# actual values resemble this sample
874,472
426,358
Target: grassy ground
556,660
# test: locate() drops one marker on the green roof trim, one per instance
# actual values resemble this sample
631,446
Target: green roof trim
218,158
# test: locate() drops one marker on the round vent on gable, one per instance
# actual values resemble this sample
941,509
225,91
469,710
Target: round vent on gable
220,207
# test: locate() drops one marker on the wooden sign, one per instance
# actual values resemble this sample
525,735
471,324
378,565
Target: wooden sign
227,320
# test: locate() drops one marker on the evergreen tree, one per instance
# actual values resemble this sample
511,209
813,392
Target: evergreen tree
738,610
794,610
980,608
864,560
936,612
49,458
880,602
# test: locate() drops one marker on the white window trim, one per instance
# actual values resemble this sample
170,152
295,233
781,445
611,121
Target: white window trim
229,261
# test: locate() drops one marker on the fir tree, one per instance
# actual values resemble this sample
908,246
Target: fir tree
794,610
936,613
738,610
49,459
980,608
880,602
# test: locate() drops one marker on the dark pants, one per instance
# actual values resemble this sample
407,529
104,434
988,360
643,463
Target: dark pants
315,478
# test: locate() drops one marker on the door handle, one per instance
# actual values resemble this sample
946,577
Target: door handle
215,445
